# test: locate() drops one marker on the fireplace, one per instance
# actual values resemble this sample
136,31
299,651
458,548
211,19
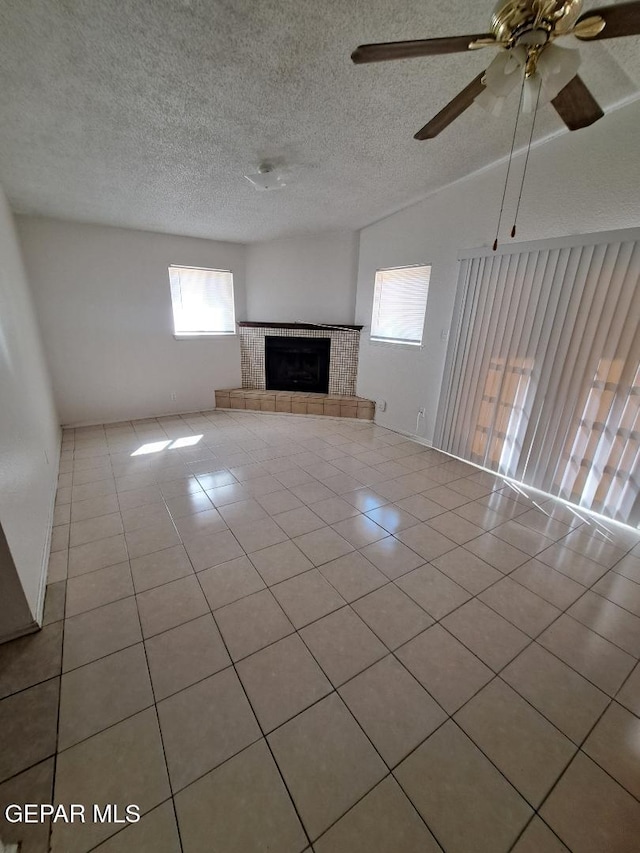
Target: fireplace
297,364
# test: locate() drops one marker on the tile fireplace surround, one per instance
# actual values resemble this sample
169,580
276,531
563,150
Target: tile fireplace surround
343,365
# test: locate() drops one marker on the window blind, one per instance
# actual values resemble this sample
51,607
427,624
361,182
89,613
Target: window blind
543,372
202,301
400,304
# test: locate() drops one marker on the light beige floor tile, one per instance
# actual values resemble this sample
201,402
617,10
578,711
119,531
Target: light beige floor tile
433,590
204,725
332,510
281,681
60,538
553,586
542,523
279,562
279,501
153,537
97,555
448,777
496,553
294,477
184,655
180,486
94,507
170,605
365,499
392,615
94,589
200,523
421,507
95,696
230,581
54,603
426,541
382,822
445,667
360,531
143,516
520,606
121,765
252,623
58,566
297,522
629,695
92,529
160,567
392,557
591,812
224,495
393,709
307,597
620,590
598,660
480,514
100,632
212,816
156,832
323,545
522,537
494,640
445,497
610,621
29,660
530,752
597,548
139,497
353,575
612,745
327,762
565,698
217,478
538,838
456,528
241,512
629,567
311,492
93,490
212,549
467,570
34,785
258,534
342,644
572,564
392,518
28,722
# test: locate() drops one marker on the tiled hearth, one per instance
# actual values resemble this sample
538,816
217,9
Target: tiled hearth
334,405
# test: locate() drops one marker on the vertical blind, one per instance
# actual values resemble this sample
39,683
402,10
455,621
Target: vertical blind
399,304
542,382
202,301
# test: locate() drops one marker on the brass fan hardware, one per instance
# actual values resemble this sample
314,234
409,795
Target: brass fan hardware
524,31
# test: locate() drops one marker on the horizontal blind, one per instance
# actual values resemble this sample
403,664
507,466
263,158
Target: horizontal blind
399,304
202,301
543,375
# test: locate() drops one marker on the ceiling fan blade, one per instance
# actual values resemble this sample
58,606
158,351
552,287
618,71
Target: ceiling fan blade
453,109
422,47
576,106
620,20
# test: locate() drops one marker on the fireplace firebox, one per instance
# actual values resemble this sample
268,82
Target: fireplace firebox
297,364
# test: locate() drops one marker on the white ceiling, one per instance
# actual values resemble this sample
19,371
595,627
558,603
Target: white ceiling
147,113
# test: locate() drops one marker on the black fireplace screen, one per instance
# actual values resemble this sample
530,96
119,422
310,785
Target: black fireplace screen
297,364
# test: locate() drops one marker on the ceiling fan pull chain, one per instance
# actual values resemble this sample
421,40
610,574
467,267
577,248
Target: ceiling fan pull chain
526,162
506,183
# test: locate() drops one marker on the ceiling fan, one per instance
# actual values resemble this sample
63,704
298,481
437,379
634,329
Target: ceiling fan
524,31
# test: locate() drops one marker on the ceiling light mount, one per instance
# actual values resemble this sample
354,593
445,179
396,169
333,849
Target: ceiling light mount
268,177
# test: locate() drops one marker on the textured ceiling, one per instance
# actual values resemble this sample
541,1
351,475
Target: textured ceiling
147,113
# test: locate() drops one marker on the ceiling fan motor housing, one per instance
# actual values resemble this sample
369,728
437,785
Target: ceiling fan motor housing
533,23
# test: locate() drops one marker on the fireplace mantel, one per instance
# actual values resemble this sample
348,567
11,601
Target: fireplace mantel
250,324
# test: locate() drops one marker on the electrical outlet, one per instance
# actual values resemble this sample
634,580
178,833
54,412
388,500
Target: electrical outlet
421,413
381,405
173,396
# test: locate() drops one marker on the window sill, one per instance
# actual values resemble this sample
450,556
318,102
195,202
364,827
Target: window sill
200,335
396,344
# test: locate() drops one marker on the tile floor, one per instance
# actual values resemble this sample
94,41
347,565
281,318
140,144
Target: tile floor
297,634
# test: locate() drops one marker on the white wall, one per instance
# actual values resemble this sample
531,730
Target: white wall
580,182
102,298
311,278
29,444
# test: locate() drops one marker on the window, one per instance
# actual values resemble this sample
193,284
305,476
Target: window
400,304
202,301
